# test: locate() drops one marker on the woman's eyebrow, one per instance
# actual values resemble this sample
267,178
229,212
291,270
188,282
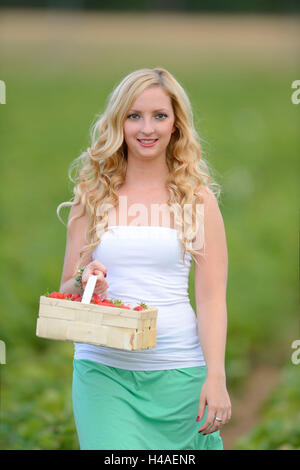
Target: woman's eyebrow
154,111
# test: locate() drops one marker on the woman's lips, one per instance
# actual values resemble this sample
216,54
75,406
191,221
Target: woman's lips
151,143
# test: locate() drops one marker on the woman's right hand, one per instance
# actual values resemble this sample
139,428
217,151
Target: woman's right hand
97,269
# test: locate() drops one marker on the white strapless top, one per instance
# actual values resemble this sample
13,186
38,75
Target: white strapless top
144,264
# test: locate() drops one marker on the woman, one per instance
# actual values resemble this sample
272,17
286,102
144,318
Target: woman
145,158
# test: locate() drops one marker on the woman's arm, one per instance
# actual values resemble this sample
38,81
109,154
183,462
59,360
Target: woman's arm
74,244
75,240
210,277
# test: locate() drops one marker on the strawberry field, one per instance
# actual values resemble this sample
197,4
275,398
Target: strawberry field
57,78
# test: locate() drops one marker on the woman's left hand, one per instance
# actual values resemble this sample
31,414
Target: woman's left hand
215,395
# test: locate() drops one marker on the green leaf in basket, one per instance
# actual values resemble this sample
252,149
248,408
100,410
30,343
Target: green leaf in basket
143,305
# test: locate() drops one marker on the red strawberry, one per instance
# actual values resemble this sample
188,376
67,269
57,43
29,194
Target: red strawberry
53,295
108,302
138,308
57,295
96,300
75,296
67,296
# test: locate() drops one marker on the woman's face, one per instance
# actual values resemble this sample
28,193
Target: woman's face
149,123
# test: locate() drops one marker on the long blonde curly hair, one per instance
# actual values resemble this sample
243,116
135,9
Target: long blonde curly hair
101,169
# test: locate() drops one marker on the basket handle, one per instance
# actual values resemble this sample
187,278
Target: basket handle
89,289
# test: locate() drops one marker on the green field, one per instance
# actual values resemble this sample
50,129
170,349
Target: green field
250,130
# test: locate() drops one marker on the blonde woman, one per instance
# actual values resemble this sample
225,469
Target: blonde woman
144,208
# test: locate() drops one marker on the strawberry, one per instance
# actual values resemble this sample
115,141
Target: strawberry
141,306
57,295
96,297
67,296
53,295
96,301
75,296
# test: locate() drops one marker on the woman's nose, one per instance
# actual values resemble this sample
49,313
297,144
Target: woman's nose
147,126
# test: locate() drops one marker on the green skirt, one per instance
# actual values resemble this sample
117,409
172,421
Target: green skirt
116,409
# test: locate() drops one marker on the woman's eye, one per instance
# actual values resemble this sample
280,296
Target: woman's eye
159,114
162,114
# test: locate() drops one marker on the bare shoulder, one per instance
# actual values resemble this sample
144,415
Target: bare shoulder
78,218
206,193
212,229
77,209
209,200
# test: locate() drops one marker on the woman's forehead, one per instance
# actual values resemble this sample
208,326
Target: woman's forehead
154,96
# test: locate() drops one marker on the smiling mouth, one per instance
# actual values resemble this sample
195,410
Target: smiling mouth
147,142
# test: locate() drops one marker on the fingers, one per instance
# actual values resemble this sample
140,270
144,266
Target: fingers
101,289
216,424
201,410
98,269
209,420
95,267
100,286
212,424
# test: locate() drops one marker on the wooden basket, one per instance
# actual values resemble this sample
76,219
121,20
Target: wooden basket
113,327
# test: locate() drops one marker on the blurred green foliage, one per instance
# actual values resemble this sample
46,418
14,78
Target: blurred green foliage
279,427
36,405
250,132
